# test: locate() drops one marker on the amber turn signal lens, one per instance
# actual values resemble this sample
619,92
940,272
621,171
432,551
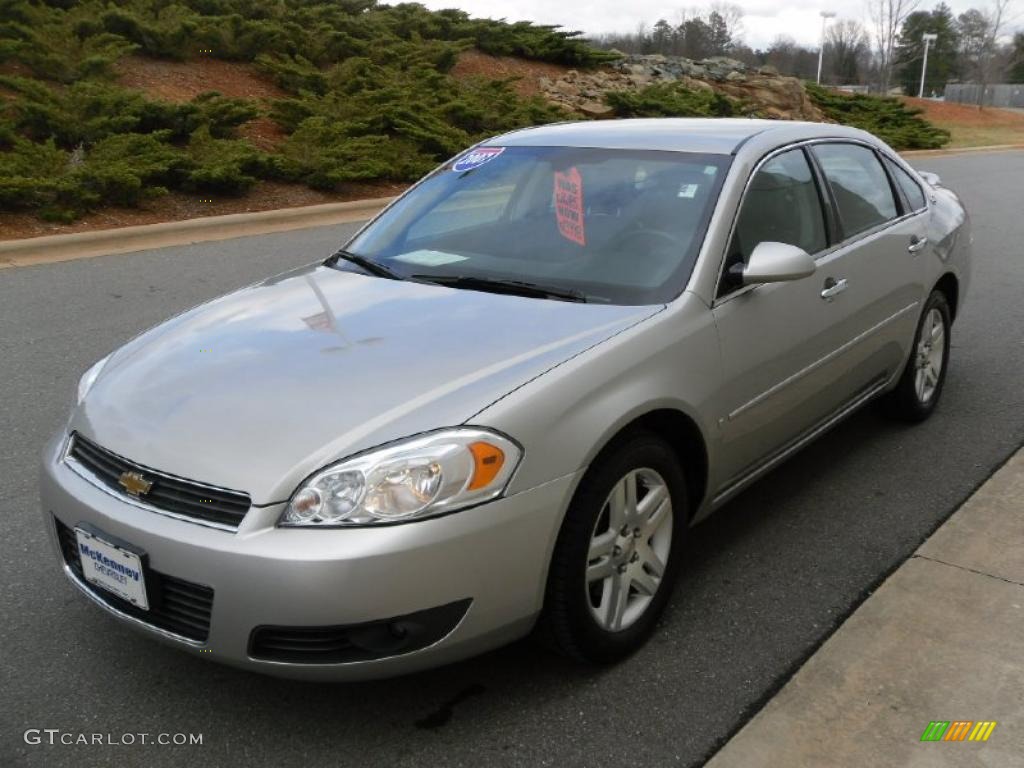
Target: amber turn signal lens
487,462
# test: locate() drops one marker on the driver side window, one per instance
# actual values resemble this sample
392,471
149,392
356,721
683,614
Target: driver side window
781,205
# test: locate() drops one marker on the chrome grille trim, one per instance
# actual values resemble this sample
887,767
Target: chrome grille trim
179,496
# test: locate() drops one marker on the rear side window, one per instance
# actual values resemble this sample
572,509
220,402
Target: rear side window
859,185
911,189
781,205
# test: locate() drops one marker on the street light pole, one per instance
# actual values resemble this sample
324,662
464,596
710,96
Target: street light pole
927,38
825,16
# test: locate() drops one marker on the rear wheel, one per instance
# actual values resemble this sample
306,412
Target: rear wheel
920,386
618,551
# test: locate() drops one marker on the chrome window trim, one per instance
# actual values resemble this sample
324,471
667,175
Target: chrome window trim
820,255
83,472
909,171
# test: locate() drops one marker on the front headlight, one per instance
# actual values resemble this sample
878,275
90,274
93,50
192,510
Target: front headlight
89,378
421,477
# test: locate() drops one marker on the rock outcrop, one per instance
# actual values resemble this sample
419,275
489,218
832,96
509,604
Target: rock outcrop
763,90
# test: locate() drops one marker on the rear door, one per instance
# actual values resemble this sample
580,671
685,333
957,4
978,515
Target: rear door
882,233
784,370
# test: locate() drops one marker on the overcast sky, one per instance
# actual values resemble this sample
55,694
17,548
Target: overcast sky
763,20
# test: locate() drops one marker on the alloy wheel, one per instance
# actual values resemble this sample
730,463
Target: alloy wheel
930,354
629,549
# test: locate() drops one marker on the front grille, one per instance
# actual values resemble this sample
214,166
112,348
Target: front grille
356,642
168,493
175,605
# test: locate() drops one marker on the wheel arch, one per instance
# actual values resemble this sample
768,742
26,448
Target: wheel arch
683,435
950,287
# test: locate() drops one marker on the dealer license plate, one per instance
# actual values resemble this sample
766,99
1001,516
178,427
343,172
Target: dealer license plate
112,568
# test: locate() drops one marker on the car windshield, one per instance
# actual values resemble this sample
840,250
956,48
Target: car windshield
601,225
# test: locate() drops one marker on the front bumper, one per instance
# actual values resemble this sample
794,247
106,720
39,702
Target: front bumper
494,556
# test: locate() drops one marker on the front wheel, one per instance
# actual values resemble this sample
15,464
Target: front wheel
618,551
920,386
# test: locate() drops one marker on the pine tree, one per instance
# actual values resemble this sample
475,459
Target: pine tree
942,52
1016,74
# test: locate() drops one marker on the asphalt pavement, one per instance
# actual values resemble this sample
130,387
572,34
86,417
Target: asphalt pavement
767,580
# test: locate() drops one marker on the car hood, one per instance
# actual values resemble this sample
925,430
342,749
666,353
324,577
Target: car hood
257,389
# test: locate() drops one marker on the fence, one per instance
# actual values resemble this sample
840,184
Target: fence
1002,95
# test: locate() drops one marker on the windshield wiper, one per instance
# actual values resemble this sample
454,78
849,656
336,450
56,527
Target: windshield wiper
511,287
366,264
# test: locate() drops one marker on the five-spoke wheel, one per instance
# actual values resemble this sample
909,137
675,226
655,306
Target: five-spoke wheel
930,355
628,551
618,550
918,390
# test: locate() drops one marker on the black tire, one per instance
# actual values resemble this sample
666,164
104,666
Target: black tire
906,402
568,621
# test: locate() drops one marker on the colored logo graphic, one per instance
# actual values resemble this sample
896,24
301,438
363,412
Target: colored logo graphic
476,157
958,730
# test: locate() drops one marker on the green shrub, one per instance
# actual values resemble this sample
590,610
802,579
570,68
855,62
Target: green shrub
89,111
126,169
58,44
672,100
371,96
406,117
167,33
324,154
85,111
293,73
30,173
886,117
218,114
225,166
237,38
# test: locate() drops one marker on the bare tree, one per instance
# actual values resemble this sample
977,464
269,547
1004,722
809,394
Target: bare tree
846,43
887,16
995,19
732,17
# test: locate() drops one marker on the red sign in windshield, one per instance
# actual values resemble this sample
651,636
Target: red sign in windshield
569,205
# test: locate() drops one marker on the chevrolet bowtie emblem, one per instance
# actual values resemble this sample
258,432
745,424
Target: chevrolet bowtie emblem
134,483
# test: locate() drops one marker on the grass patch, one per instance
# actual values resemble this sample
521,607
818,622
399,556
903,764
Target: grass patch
982,136
970,126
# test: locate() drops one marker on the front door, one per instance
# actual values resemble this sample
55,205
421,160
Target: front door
781,343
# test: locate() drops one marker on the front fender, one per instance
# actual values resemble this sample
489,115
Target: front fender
564,418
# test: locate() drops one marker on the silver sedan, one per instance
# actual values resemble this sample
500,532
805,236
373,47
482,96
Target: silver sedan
504,402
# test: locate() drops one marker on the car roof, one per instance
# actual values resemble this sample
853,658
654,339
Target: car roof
721,136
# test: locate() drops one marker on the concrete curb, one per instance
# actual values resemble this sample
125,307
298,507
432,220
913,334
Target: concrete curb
80,245
940,639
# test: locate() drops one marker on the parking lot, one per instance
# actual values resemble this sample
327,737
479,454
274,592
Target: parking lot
766,581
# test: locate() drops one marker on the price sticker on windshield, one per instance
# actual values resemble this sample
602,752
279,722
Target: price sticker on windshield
569,205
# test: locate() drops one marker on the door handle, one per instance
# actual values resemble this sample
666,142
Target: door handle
917,243
833,288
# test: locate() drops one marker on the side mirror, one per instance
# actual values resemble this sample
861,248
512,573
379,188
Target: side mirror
932,178
773,263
